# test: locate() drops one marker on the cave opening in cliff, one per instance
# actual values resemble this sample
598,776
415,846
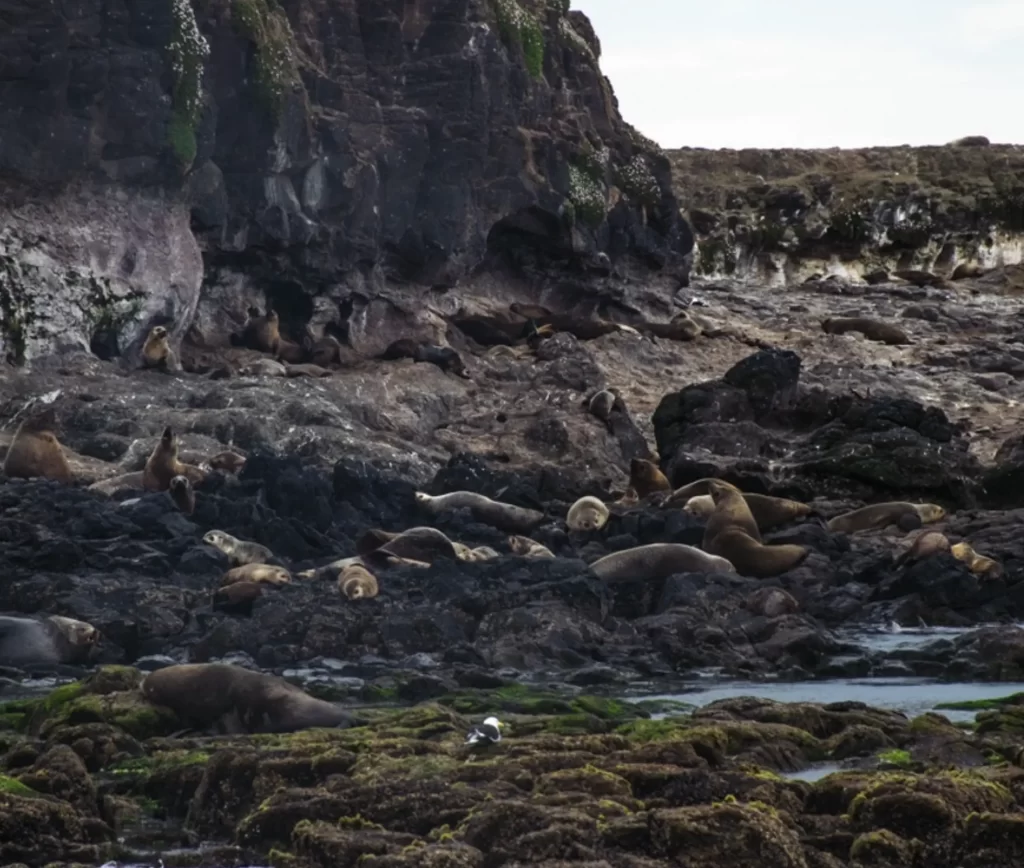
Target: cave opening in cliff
530,236
294,306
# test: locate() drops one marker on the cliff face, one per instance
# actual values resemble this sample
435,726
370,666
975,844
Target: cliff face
779,216
317,146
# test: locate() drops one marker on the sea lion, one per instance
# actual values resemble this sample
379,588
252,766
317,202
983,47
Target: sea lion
646,478
264,574
920,279
261,333
306,370
504,516
424,544
967,269
357,583
601,403
445,358
528,548
732,533
926,543
163,465
157,352
684,493
908,516
227,462
325,351
583,329
182,494
291,353
768,511
114,484
262,368
237,700
35,450
587,514
682,327
872,329
45,641
239,552
657,561
977,564
237,597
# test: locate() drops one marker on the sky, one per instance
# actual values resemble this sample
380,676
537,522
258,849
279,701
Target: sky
814,73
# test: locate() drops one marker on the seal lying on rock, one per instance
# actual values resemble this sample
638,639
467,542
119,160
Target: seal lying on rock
872,329
929,542
260,573
657,561
355,582
53,639
35,450
977,564
768,511
646,478
528,548
227,461
236,700
732,533
239,552
587,514
445,358
908,516
504,516
424,544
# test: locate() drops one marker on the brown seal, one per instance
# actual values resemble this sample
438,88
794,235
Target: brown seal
355,582
157,352
444,358
264,574
504,516
768,511
601,403
291,353
929,542
182,494
646,478
53,639
262,368
325,351
261,333
239,552
872,329
307,370
657,561
967,269
237,598
587,514
163,465
424,544
681,327
977,564
210,694
920,279
732,533
907,516
227,461
582,328
528,548
698,487
35,450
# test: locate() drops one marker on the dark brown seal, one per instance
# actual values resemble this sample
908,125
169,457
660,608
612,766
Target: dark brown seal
261,333
646,478
872,329
163,465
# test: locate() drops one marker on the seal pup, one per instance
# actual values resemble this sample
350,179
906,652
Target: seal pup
355,582
262,333
528,548
657,561
482,553
237,700
35,450
183,495
977,564
163,465
929,542
504,516
601,403
646,478
239,552
732,534
226,462
157,352
48,640
262,574
872,329
587,514
907,516
682,327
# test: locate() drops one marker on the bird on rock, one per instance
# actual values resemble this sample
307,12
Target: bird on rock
488,732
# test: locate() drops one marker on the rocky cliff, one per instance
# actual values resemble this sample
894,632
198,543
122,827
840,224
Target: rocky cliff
301,150
780,216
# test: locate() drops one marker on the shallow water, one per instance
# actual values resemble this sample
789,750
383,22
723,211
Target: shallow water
907,638
912,696
813,773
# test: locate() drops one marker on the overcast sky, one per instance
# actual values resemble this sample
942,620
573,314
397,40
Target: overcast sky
814,73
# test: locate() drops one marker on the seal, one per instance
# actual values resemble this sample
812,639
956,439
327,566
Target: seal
481,553
163,465
307,370
682,327
236,700
920,279
929,542
237,598
227,462
291,353
239,552
967,269
528,548
872,329
157,352
425,544
445,358
601,403
261,333
771,603
583,329
732,534
35,450
264,574
977,564
504,516
587,514
182,494
122,482
262,368
768,511
701,506
907,516
684,493
325,351
657,561
49,640
646,478
355,582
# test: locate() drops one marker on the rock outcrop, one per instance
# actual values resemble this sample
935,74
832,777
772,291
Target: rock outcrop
782,216
316,153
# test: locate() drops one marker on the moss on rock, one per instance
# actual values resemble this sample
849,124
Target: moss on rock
266,25
521,28
189,50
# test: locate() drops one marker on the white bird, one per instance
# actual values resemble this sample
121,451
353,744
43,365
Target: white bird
489,732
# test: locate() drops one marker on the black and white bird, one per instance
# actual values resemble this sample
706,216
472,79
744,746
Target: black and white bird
488,732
